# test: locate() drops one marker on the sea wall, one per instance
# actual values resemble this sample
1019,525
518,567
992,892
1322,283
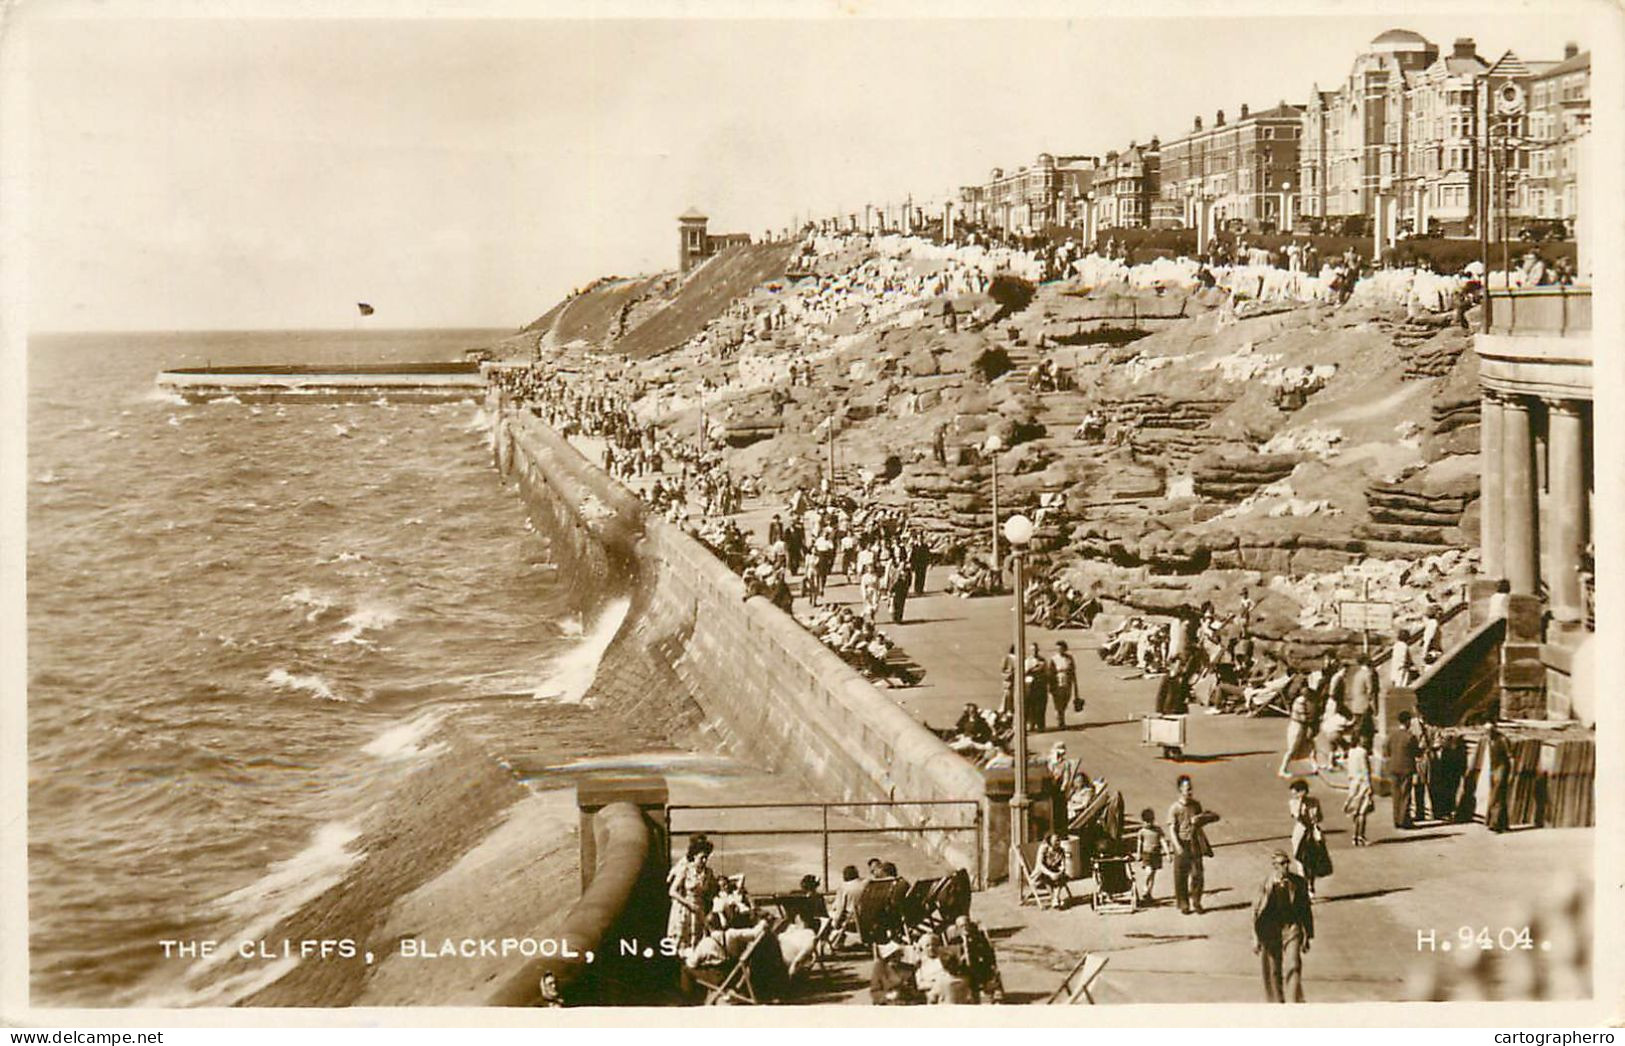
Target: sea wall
622,899
749,676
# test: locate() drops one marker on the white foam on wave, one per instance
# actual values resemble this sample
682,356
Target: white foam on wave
480,422
405,740
226,401
318,603
255,909
572,626
572,674
47,477
340,429
342,557
314,684
159,394
368,616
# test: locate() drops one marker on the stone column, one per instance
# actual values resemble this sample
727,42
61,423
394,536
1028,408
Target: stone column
1518,461
1492,562
1564,527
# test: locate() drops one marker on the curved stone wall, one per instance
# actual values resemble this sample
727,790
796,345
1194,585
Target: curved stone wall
767,691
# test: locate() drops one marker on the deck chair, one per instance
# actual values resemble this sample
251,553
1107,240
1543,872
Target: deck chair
877,915
1076,985
814,915
1091,811
1044,895
758,976
950,898
913,909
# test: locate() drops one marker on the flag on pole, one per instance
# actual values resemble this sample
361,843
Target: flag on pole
366,310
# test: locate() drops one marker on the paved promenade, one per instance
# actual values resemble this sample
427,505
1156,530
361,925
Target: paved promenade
1370,911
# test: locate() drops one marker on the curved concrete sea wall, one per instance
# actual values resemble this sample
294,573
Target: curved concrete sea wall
619,902
744,671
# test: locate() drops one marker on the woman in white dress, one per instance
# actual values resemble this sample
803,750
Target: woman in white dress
691,885
1359,802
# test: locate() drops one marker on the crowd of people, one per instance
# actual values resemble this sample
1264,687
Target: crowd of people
819,533
714,924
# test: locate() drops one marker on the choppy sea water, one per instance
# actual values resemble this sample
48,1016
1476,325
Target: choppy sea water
244,624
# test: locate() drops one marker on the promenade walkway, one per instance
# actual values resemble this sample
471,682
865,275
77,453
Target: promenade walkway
1371,910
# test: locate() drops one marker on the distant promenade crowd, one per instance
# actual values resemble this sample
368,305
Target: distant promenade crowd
818,534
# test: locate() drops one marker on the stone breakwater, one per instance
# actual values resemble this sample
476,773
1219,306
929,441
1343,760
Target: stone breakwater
692,651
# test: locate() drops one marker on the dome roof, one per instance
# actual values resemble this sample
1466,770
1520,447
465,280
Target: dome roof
1400,40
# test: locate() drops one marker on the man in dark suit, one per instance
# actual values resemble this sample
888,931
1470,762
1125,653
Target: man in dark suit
1402,752
1283,926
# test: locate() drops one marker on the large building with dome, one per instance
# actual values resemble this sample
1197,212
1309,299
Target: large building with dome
1417,138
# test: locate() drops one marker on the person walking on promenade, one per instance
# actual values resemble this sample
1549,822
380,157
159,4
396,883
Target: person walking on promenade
1009,670
1035,683
1283,926
1148,849
1174,698
1063,682
919,558
1499,755
1360,692
1299,724
795,544
1402,748
1188,840
1359,803
1308,841
1422,807
898,576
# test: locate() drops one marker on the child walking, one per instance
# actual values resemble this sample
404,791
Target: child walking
1148,844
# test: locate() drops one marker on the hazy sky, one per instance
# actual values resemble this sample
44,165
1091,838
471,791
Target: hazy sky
265,173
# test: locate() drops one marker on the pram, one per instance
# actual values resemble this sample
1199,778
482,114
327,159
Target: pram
1114,883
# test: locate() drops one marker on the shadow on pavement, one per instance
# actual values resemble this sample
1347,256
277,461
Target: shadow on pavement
1363,895
1414,838
1218,757
1250,842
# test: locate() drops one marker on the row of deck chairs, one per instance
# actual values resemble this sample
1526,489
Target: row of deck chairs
887,910
895,910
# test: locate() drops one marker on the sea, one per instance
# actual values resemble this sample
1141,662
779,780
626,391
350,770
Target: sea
245,625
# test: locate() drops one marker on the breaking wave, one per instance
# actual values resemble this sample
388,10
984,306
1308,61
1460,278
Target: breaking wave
572,674
313,684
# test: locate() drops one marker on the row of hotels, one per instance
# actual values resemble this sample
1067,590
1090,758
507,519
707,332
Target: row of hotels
1405,144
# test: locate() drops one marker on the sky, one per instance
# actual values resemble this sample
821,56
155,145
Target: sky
253,172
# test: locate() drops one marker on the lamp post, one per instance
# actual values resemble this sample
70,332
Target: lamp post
1018,530
992,448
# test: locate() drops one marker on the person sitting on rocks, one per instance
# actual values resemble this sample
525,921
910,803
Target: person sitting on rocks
1266,692
975,578
1123,641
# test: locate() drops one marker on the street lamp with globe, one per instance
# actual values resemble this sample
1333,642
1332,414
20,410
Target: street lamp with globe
1018,531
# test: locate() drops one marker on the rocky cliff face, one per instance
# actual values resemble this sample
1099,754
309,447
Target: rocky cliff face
1239,441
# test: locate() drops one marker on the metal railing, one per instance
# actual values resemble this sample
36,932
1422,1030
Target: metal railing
718,829
1544,310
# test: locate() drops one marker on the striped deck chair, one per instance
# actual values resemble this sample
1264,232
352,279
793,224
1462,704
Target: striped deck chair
1076,985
